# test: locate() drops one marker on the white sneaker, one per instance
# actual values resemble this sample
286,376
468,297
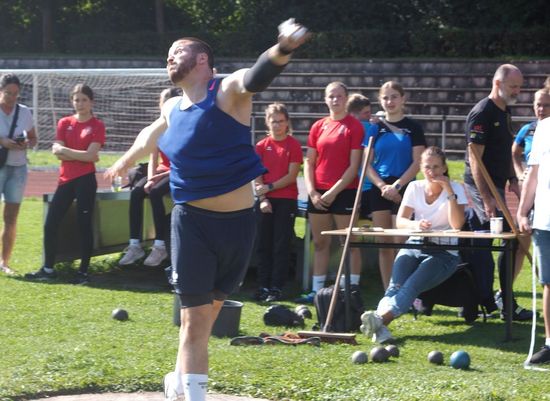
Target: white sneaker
382,336
170,388
371,322
157,255
132,255
7,270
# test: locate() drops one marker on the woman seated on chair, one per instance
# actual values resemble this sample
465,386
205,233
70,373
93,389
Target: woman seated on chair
436,204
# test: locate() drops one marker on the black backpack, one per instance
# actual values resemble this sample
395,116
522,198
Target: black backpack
458,290
338,323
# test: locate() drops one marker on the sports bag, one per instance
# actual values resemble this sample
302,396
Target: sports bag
338,324
458,290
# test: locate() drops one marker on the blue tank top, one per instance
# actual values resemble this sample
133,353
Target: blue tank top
210,152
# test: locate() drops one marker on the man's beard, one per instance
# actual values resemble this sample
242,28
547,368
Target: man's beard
509,100
182,70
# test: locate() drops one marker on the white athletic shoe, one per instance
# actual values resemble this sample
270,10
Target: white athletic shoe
157,255
382,336
371,322
132,255
170,388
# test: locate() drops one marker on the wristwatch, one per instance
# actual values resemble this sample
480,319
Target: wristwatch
270,186
452,196
397,186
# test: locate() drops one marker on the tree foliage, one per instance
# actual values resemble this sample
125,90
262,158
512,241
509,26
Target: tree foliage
242,27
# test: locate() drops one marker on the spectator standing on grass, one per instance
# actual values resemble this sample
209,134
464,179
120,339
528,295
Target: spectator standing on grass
489,131
398,143
437,203
206,135
281,155
77,143
536,192
13,174
333,156
154,186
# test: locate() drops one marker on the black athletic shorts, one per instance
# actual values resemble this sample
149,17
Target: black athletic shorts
377,203
210,252
343,204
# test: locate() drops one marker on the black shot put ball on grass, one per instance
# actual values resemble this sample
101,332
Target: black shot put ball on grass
119,314
359,357
393,350
379,354
435,357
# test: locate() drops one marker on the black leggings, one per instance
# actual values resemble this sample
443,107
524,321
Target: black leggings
156,195
83,189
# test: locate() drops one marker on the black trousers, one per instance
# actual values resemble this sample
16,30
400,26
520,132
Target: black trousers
482,264
156,194
83,189
275,242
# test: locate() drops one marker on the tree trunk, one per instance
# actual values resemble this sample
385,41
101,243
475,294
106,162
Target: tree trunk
47,25
159,16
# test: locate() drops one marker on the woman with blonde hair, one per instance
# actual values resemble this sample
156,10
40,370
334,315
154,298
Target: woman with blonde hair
333,156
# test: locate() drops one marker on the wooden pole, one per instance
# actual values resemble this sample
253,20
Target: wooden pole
500,202
345,249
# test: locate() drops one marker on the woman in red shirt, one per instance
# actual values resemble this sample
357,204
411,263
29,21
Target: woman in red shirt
330,171
78,140
281,155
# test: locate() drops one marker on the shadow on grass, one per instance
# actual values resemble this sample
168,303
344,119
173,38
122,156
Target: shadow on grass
137,278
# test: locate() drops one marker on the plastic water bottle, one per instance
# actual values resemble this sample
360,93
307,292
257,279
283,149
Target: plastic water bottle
116,185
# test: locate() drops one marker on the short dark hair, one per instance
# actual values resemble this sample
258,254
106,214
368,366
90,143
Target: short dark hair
199,46
357,102
8,79
84,89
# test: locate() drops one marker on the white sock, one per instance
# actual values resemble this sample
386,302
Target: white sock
353,279
134,241
318,282
195,387
48,269
159,243
547,342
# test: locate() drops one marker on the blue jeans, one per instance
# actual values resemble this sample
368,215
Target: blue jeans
415,271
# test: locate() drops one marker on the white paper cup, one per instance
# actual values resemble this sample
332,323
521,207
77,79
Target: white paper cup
496,225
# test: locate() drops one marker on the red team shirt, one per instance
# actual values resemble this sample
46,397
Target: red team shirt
164,164
334,140
276,156
78,136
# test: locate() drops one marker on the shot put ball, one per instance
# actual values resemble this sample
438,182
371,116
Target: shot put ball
379,354
460,360
393,350
435,357
120,314
359,357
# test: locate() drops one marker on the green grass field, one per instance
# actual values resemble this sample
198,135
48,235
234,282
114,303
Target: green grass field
58,338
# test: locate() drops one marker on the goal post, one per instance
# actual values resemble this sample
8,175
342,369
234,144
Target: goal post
126,100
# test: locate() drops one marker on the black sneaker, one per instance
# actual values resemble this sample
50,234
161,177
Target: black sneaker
520,314
543,356
261,294
41,275
81,278
275,295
